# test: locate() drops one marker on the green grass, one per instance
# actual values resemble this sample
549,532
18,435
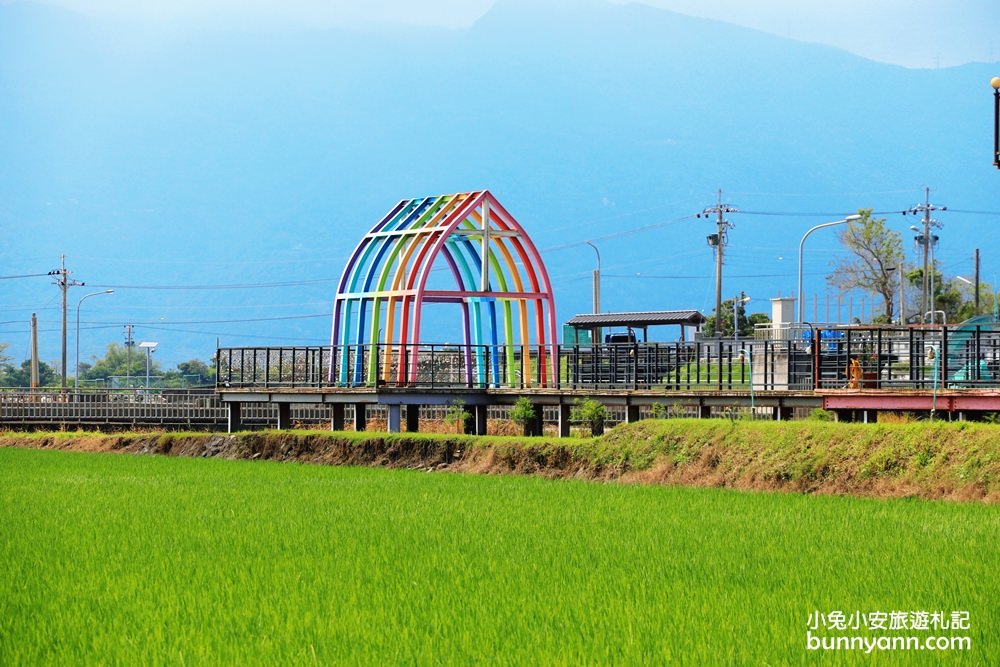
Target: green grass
705,375
120,559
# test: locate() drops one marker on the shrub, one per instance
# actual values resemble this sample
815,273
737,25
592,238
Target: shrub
458,415
821,415
590,412
524,413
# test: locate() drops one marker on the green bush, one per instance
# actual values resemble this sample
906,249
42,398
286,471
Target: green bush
458,415
590,412
524,413
821,415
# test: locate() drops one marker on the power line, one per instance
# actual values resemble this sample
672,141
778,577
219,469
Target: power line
299,339
291,283
744,275
619,234
812,214
26,275
233,321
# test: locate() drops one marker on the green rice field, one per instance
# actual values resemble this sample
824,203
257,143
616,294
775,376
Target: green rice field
124,559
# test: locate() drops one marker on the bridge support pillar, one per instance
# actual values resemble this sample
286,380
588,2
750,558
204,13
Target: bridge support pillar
337,417
284,416
704,411
234,420
394,413
412,418
782,413
480,417
360,416
631,414
536,426
564,420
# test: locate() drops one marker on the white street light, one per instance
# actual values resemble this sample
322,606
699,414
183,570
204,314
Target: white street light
149,347
737,302
597,291
76,380
802,301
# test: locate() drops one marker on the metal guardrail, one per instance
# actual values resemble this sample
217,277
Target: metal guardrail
171,408
800,357
719,364
908,358
22,408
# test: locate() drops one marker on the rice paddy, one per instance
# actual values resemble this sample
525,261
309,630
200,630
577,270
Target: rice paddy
121,559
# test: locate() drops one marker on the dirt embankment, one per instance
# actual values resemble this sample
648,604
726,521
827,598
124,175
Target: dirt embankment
936,461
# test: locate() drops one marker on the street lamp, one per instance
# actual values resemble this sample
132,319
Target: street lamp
597,290
802,301
737,302
995,82
149,347
902,306
745,352
76,380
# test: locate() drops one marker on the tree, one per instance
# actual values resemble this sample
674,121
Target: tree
954,297
116,363
876,254
198,371
745,323
11,376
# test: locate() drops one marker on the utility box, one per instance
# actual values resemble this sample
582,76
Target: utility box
782,311
573,336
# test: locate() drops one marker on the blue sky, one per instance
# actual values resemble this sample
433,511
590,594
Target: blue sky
913,33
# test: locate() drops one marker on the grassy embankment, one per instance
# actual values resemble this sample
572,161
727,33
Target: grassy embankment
172,560
958,461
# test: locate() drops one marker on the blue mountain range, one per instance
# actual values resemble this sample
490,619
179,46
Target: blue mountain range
217,178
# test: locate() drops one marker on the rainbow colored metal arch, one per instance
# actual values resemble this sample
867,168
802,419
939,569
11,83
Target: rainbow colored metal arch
387,281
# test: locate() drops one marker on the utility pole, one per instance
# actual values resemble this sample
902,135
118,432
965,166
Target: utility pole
64,284
976,287
927,241
34,351
129,344
718,242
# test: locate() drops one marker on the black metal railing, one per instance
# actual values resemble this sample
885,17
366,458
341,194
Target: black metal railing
908,358
694,366
813,358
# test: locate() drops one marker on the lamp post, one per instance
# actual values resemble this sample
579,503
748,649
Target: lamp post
745,352
975,291
76,380
737,302
995,82
900,270
802,243
149,346
597,291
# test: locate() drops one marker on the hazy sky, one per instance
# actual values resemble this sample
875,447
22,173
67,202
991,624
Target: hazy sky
916,33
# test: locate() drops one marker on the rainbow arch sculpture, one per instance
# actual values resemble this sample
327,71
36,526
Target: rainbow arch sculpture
506,302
